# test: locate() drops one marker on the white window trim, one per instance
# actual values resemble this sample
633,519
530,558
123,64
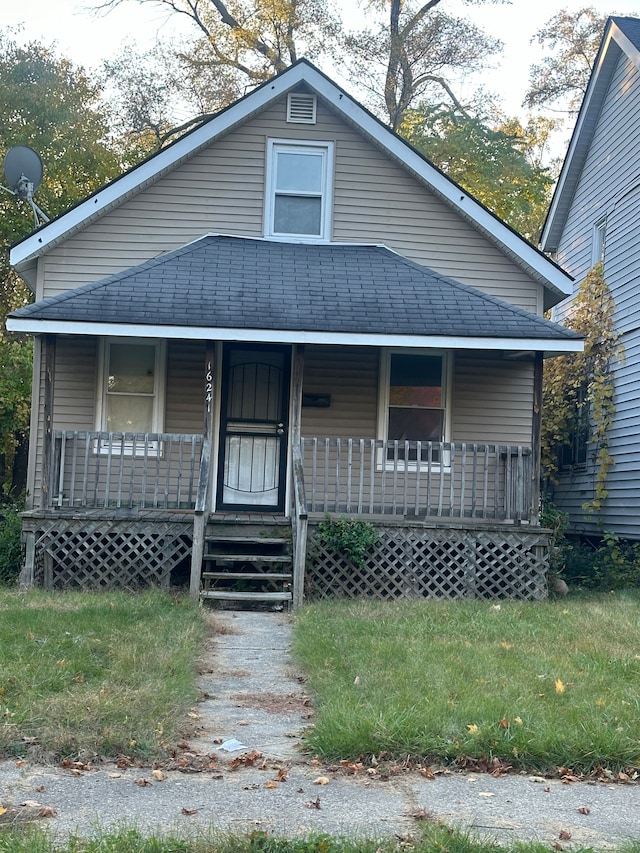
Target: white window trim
599,241
384,377
160,370
327,150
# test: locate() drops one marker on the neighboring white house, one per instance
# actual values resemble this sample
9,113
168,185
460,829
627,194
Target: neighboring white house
595,217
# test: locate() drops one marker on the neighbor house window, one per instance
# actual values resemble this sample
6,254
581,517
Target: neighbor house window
414,395
132,383
598,242
298,198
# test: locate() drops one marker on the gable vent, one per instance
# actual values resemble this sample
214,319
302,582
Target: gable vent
301,108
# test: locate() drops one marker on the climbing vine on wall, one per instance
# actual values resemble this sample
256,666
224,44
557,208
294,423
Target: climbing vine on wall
579,390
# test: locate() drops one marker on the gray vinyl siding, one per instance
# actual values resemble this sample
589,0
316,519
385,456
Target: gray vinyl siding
610,185
492,400
221,190
184,401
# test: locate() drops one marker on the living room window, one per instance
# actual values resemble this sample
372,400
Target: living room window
298,197
414,396
132,382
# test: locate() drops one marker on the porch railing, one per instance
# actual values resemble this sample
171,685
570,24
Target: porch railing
336,475
123,470
413,478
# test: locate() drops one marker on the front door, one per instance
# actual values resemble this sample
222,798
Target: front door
253,427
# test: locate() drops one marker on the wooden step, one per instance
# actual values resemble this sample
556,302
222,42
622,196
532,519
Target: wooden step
253,540
228,595
248,558
254,576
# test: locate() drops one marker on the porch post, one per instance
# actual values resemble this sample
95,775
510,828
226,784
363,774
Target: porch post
536,435
202,500
49,346
299,513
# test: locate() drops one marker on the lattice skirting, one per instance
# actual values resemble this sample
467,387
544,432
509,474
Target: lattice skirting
416,562
108,555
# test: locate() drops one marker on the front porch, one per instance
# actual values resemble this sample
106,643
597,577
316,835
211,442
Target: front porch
128,510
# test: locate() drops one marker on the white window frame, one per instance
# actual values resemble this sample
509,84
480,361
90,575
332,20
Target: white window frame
599,241
326,151
160,369
384,375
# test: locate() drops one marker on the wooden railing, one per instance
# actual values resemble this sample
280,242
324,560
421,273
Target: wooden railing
123,470
413,478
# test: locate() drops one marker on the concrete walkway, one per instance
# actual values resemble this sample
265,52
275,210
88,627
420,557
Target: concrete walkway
244,771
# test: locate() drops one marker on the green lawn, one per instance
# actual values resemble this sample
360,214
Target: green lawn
538,685
429,839
95,674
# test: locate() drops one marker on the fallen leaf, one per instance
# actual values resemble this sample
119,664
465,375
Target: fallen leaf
504,723
564,835
427,772
584,810
557,846
356,680
313,804
472,728
321,780
159,775
283,774
189,811
2,810
47,811
31,804
421,814
517,720
142,782
40,789
271,784
559,686
507,646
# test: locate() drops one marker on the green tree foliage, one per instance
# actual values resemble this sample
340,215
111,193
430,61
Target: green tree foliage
53,107
579,388
410,50
500,165
561,79
255,39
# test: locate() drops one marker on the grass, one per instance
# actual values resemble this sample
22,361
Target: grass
537,685
431,839
95,674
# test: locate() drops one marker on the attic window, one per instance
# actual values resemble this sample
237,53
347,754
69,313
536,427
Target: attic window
301,108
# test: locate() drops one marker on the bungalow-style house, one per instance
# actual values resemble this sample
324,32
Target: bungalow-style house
595,218
287,313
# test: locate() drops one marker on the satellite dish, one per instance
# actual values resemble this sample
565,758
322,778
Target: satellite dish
22,166
23,171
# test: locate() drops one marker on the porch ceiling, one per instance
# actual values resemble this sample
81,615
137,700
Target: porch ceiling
295,289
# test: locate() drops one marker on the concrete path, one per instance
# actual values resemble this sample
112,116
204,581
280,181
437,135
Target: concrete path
265,782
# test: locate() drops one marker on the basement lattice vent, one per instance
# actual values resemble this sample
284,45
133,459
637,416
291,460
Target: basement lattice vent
301,108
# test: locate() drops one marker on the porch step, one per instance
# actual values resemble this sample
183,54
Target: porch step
247,564
224,595
248,558
256,576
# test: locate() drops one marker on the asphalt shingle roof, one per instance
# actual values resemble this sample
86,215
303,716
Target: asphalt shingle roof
238,283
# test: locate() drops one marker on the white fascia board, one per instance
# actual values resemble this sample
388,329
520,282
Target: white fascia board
456,196
593,100
44,327
303,72
151,169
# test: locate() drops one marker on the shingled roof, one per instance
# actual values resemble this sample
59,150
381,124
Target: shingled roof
236,283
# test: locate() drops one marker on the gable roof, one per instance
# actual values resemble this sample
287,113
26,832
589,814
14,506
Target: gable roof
621,36
237,288
556,282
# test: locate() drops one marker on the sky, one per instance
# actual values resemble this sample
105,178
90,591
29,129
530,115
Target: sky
87,38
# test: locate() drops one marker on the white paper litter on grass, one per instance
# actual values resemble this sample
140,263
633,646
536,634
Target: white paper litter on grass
232,745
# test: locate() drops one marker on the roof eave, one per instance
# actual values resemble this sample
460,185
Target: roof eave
522,253
287,336
614,41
